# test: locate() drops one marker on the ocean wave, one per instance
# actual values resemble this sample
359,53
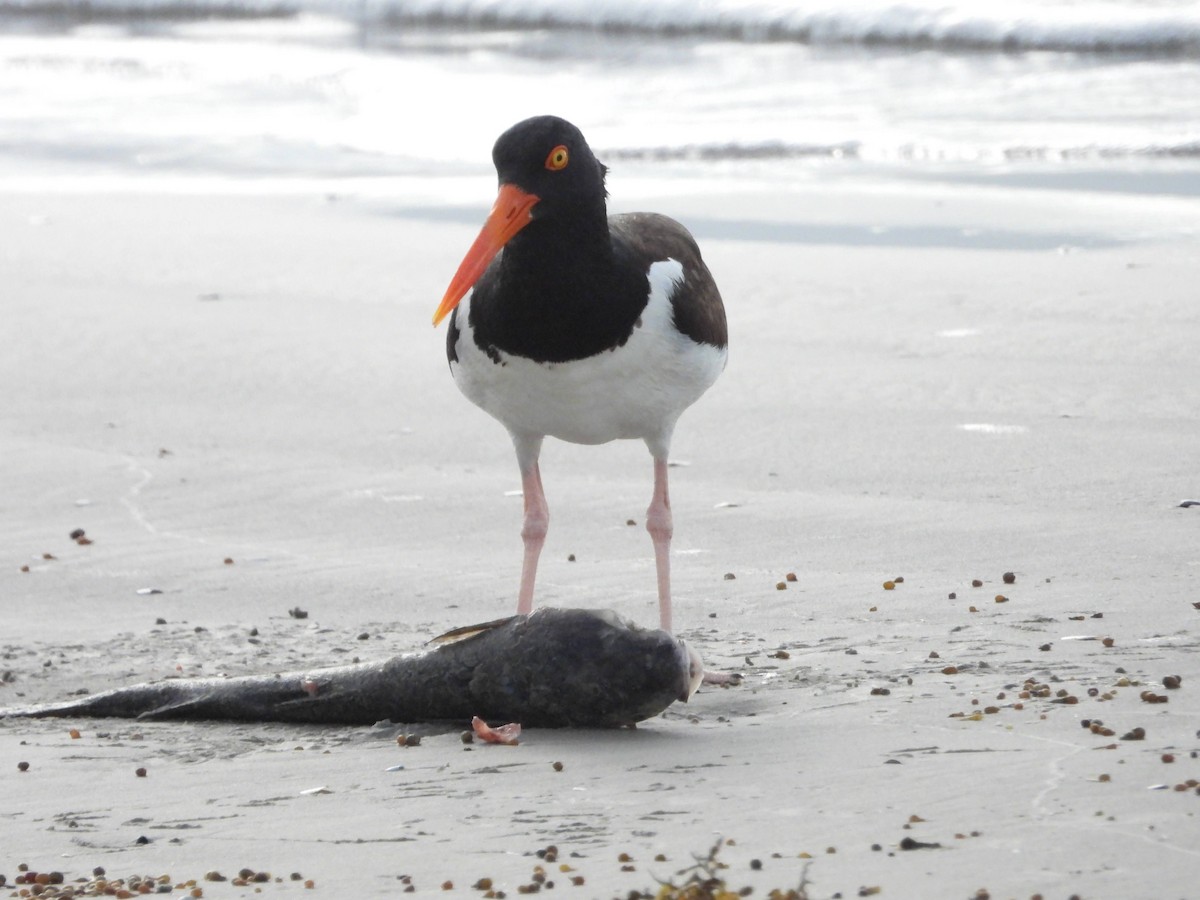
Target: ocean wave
1126,26
146,10
856,150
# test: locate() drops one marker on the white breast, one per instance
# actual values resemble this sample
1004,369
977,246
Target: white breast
636,390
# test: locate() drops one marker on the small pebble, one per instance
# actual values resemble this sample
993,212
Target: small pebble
975,582
557,766
140,773
22,766
1009,578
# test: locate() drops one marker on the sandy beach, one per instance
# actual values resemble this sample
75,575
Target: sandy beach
932,383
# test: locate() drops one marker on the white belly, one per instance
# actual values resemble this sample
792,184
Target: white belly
636,390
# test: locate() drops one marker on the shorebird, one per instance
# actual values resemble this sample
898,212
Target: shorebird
581,326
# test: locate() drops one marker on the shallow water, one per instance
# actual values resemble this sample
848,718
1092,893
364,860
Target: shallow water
268,96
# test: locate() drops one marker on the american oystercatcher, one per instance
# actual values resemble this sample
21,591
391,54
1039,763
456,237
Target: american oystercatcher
581,326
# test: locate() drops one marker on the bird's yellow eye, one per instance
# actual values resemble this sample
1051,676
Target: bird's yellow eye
557,160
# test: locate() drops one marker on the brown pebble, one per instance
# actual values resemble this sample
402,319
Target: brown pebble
975,582
729,576
24,568
933,654
1172,682
1000,598
899,579
630,522
310,884
22,766
953,595
577,880
1108,642
624,857
781,586
558,767
229,560
1009,578
889,585
1045,647
1168,757
1137,734
791,576
950,670
447,885
570,557
483,884
972,609
140,773
74,733
467,737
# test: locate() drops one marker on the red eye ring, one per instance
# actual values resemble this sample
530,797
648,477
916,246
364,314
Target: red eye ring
558,158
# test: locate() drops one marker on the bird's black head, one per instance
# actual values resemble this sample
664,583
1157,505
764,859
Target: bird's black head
548,157
552,185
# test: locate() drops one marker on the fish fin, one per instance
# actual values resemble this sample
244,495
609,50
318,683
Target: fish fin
466,632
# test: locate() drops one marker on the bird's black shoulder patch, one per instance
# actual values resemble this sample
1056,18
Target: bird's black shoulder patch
695,303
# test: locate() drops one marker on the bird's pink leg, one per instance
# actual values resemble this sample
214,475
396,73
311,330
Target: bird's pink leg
533,533
661,527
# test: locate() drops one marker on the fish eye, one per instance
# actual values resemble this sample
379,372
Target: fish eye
558,158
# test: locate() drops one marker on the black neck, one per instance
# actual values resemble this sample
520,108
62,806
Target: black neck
558,292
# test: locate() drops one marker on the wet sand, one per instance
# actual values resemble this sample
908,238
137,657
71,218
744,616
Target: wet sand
241,402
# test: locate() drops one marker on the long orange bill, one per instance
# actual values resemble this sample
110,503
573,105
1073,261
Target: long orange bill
510,213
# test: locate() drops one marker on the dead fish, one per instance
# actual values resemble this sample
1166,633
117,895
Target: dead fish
552,668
